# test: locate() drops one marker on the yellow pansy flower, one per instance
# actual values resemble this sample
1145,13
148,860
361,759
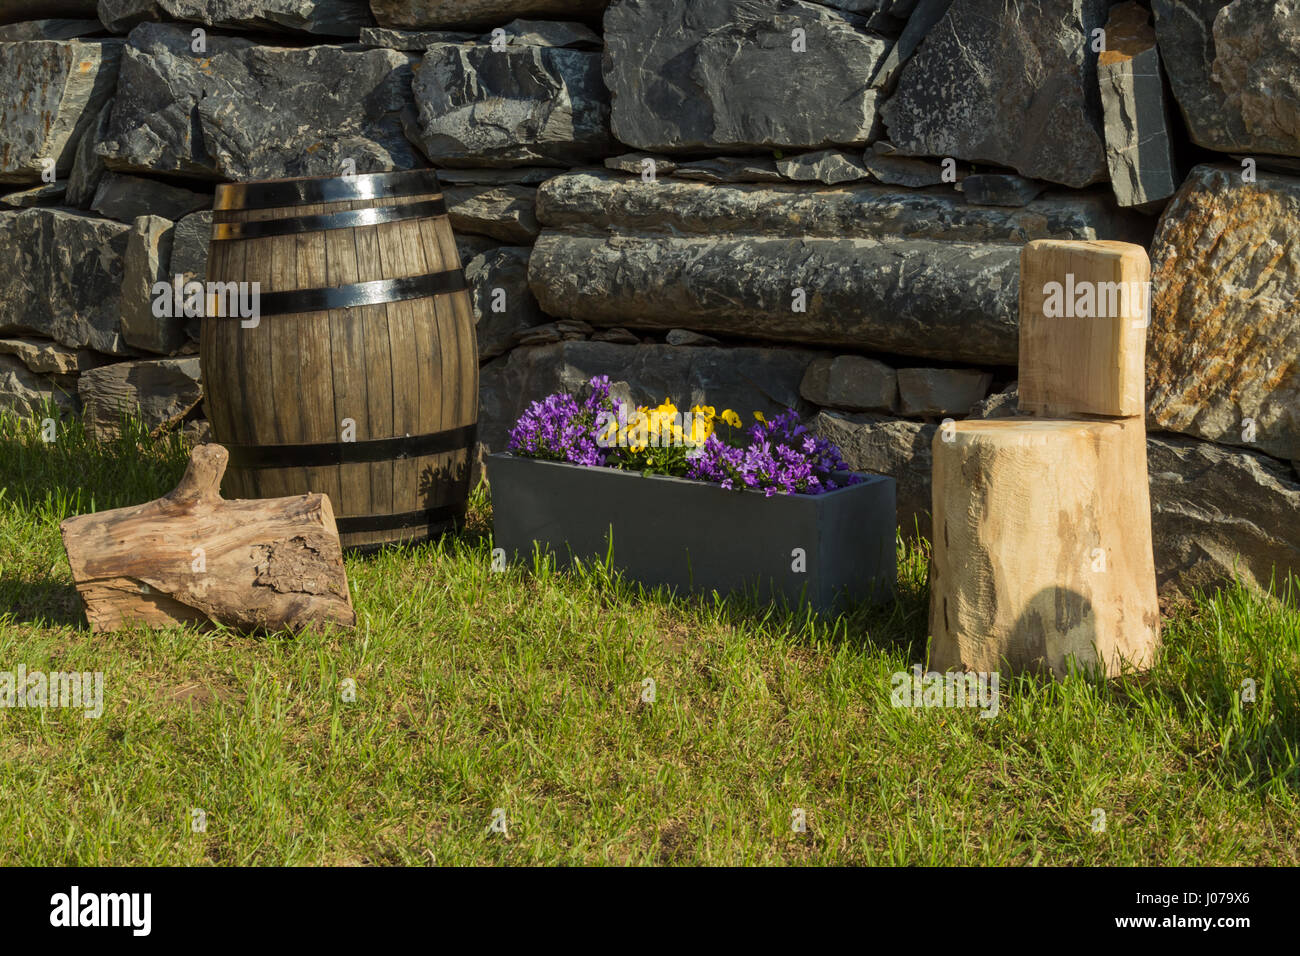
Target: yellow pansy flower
731,418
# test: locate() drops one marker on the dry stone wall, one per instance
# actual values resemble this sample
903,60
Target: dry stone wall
758,204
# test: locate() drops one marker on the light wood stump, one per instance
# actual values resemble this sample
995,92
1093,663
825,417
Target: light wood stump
1042,526
192,556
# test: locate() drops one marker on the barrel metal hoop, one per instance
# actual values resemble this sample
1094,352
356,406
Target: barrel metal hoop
351,219
361,524
359,294
324,454
301,192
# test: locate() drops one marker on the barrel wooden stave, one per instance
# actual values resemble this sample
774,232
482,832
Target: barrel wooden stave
407,367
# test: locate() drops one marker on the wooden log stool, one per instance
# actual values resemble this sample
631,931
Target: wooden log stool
1042,524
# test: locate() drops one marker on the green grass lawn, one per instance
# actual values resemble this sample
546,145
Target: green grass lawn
521,690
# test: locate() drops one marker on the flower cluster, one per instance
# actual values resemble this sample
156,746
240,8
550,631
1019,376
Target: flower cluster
780,456
562,427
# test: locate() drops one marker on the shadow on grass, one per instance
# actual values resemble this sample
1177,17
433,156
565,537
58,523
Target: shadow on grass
40,603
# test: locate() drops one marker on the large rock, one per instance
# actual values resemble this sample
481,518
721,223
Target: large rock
525,104
851,382
951,300
717,74
1138,147
743,379
1225,331
125,198
27,393
49,357
326,17
63,277
436,14
50,92
605,200
1215,511
148,252
87,165
503,303
159,391
1232,67
888,446
507,213
247,111
1013,84
1218,512
191,238
933,392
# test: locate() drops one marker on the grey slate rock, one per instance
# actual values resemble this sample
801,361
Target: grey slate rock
526,105
48,357
851,383
686,337
903,171
49,30
248,111
63,278
148,255
506,213
440,14
1007,84
51,194
729,169
888,446
27,393
1000,189
1217,511
952,300
596,199
1138,147
124,198
341,18
50,92
160,392
557,33
523,176
829,166
500,315
692,75
935,392
87,165
190,238
635,163
925,14
415,41
1232,67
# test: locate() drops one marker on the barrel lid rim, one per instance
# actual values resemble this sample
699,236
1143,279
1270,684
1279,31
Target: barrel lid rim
298,190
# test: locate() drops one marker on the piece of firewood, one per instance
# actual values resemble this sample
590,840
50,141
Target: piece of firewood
191,556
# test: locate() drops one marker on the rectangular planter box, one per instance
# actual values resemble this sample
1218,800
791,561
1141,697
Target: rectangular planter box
831,549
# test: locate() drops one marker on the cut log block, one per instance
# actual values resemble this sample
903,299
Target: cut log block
1042,525
1042,547
190,556
1083,328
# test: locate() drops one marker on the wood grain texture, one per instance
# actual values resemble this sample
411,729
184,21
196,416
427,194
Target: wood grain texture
190,556
1042,556
392,369
1082,328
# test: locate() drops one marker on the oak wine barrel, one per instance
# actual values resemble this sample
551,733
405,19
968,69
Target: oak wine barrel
359,378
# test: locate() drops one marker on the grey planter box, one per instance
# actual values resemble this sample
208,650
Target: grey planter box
696,537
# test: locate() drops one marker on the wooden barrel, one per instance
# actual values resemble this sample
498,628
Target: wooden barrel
359,378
